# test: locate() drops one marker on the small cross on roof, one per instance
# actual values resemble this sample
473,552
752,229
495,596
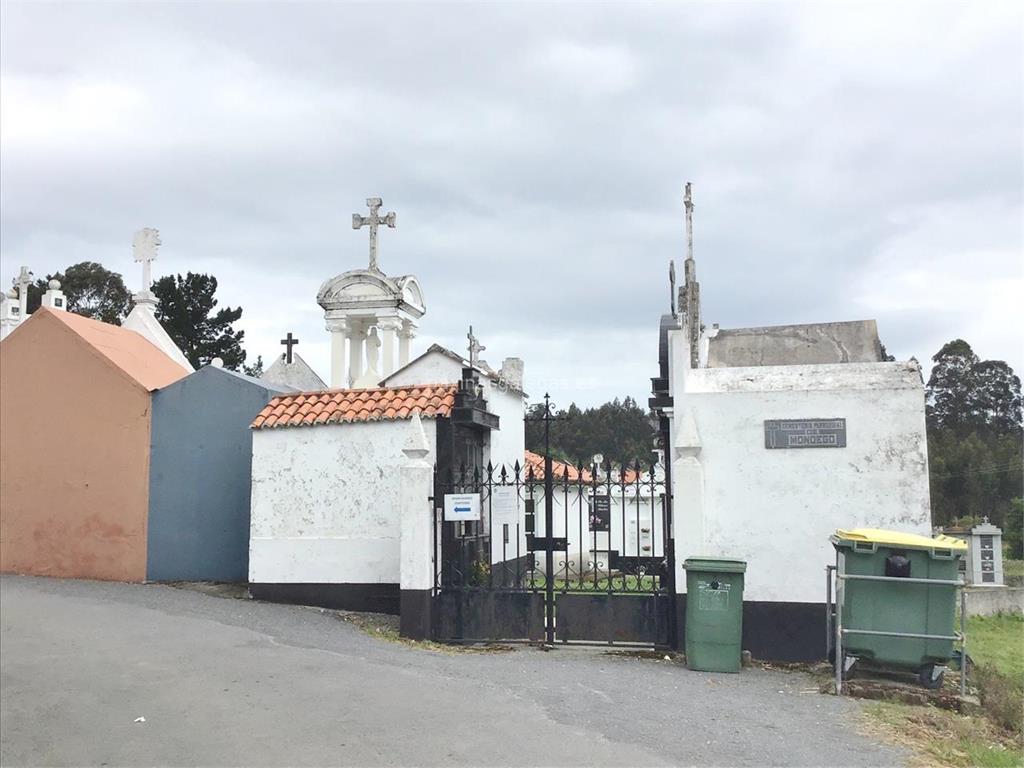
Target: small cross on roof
289,341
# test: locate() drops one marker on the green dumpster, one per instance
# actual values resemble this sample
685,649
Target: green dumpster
714,613
884,586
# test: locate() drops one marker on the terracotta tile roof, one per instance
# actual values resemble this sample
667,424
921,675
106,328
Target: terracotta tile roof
342,406
559,469
129,351
565,471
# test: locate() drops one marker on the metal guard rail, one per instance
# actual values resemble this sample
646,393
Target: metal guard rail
840,632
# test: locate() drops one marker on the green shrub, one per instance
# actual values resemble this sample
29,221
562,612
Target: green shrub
1013,535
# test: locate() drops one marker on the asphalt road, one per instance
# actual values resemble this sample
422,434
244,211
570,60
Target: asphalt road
236,682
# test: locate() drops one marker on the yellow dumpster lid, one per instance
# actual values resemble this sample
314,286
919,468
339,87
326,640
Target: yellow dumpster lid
899,539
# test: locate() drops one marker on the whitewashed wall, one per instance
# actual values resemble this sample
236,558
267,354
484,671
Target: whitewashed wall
431,368
325,503
776,508
508,443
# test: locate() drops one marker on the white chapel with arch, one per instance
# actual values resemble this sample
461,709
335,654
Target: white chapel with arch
372,318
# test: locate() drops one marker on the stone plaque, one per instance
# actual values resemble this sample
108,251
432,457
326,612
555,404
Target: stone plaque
805,433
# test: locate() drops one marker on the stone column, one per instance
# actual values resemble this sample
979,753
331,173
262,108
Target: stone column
416,558
339,329
388,327
357,337
406,335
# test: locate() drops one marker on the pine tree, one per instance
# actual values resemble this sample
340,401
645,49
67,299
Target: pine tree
185,309
91,290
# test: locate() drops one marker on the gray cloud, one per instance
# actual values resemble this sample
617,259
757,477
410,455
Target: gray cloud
858,160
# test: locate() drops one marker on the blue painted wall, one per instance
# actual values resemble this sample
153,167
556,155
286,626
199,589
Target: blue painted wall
200,476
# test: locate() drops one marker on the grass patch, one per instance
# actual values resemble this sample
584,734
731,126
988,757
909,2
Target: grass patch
386,628
990,738
945,738
998,642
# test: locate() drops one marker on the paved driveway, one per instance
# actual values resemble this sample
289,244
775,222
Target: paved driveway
235,682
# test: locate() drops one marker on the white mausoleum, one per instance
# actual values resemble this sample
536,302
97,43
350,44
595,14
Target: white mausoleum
326,525
776,437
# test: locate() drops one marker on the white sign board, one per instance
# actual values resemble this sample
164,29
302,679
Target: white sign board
504,507
461,506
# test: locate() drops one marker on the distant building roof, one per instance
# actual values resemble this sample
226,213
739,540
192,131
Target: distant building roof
559,469
296,375
339,406
814,344
481,366
213,370
127,350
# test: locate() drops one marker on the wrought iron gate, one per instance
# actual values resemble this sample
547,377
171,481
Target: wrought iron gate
559,554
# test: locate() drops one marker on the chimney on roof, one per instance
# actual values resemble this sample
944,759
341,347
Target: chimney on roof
511,374
54,297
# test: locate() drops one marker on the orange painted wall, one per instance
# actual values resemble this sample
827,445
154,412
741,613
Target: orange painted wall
74,459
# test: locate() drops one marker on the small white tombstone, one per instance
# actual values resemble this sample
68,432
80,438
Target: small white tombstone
985,555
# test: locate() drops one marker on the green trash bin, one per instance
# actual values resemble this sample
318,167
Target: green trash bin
898,602
714,613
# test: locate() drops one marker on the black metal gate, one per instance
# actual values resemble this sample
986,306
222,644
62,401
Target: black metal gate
547,552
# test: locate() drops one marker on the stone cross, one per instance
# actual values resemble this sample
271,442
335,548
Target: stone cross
289,342
373,221
475,348
23,280
688,204
144,246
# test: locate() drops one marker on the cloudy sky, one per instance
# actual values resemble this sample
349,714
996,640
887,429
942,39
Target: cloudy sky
848,161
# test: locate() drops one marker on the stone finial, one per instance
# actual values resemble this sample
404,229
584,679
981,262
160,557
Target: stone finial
217,362
416,447
687,435
54,297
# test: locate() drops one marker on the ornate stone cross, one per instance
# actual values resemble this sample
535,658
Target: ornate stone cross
475,348
144,246
289,342
23,280
373,221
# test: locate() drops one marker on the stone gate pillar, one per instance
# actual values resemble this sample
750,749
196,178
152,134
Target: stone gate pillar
687,507
416,558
